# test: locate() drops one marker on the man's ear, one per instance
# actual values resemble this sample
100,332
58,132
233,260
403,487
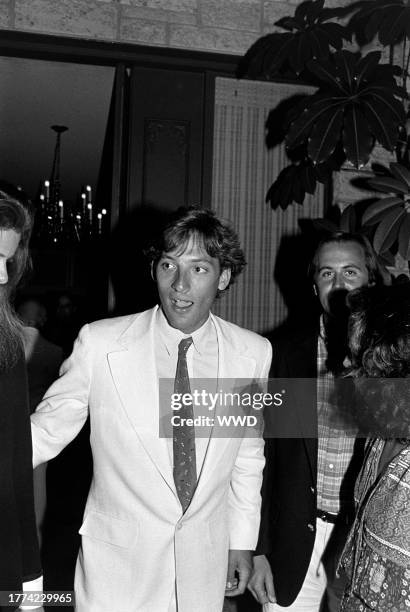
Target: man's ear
224,279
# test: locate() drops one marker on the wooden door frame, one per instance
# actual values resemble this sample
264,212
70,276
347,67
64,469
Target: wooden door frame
63,48
121,56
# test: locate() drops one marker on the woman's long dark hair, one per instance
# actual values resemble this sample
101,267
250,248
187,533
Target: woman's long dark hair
14,215
380,349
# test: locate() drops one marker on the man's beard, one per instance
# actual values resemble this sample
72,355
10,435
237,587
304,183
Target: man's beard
11,345
336,331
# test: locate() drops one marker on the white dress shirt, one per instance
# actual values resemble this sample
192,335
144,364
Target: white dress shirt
202,362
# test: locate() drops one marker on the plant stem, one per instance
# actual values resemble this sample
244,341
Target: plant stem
406,73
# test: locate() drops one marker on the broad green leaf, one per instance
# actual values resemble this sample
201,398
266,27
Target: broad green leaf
308,178
385,86
404,238
297,58
372,214
251,64
389,101
326,72
366,65
314,10
302,10
323,42
373,24
401,173
287,23
287,188
316,50
379,120
388,19
387,231
388,185
275,58
357,139
337,32
325,135
301,128
346,62
391,29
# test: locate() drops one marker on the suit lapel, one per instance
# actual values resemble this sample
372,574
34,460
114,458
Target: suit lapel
133,370
233,364
302,363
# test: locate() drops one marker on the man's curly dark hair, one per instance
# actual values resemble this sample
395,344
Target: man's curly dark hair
379,340
216,237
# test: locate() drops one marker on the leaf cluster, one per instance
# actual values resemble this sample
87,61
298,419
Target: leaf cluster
310,34
357,103
391,214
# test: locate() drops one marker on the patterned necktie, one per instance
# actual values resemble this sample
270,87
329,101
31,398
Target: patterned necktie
184,435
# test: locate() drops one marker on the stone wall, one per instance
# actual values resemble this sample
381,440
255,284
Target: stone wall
227,26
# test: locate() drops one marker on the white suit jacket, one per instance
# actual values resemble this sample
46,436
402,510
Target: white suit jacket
137,547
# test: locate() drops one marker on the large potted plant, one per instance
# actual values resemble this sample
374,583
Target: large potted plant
360,100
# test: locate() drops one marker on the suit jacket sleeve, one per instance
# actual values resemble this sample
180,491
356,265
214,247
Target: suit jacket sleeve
246,480
64,408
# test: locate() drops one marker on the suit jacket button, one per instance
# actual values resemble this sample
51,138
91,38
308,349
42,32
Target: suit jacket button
179,526
311,527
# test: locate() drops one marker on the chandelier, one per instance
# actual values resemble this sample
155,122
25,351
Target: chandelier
61,222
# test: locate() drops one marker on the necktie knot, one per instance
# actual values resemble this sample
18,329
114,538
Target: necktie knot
184,345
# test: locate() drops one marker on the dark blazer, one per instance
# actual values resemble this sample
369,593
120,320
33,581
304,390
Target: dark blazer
288,517
19,555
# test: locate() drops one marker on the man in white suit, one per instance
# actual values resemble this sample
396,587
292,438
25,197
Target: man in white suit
146,547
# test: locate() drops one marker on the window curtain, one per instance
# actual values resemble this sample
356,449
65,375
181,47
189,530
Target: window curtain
243,170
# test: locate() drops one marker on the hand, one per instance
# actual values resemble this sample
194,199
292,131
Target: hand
261,582
239,566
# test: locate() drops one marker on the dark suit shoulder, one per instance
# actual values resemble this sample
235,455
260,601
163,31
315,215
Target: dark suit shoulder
289,335
295,352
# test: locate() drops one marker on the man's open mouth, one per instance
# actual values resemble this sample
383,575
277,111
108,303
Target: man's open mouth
181,303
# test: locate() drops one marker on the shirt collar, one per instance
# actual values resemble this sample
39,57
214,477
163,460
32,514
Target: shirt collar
322,332
171,337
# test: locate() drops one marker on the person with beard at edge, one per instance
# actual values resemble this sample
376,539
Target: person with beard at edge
20,566
169,523
307,493
376,558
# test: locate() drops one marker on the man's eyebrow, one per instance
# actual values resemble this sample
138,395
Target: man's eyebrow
349,265
204,259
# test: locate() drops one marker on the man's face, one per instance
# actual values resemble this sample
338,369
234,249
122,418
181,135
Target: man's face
341,267
9,241
188,280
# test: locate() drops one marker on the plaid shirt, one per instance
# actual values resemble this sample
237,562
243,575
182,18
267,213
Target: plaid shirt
335,443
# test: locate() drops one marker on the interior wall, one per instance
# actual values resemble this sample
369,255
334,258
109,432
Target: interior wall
228,26
36,94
